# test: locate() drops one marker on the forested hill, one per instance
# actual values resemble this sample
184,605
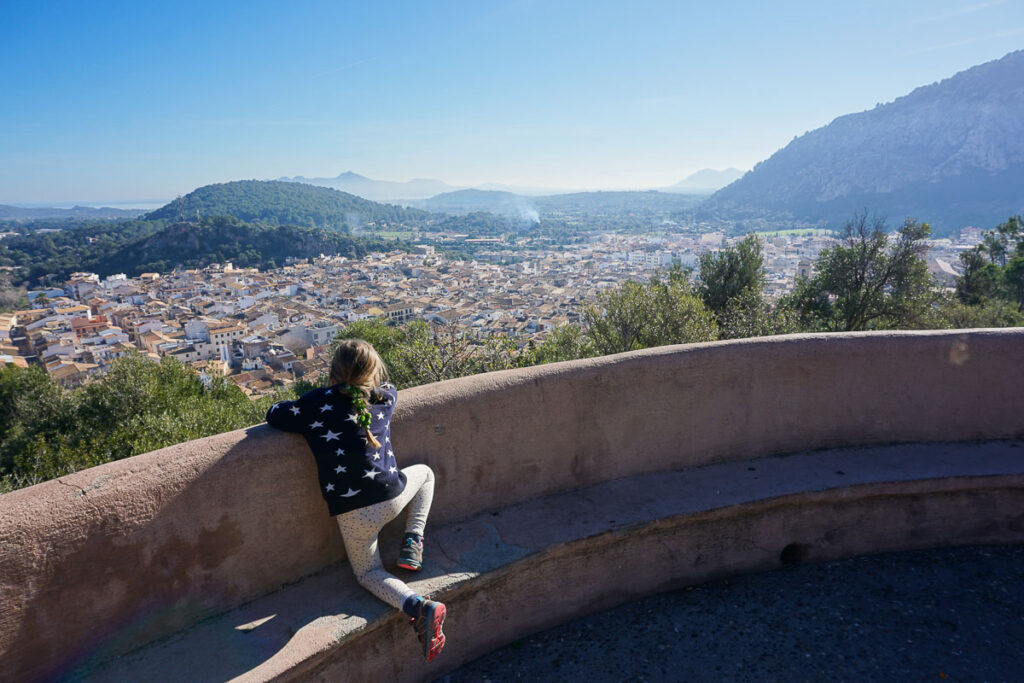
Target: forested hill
220,239
950,153
272,202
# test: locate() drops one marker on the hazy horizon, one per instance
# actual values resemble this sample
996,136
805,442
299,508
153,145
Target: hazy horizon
151,203
142,104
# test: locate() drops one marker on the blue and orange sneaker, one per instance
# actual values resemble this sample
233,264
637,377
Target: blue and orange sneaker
411,555
428,627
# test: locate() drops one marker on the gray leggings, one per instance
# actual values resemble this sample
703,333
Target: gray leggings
359,529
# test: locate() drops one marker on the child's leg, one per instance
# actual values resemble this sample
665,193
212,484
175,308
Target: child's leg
420,479
359,530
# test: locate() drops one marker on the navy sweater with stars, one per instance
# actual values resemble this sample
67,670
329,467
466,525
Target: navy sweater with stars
353,474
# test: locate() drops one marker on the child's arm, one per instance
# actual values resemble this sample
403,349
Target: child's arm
286,415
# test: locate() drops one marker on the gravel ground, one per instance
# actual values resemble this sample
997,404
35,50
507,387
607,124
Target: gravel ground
954,614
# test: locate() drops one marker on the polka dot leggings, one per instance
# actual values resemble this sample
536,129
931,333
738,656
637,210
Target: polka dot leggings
359,529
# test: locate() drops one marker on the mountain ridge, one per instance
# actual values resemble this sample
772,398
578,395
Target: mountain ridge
8,212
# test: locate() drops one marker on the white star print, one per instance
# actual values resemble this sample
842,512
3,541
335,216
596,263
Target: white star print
391,453
316,424
392,470
380,416
275,407
354,418
370,473
387,439
376,455
295,410
339,469
325,407
330,487
339,452
327,393
350,493
331,436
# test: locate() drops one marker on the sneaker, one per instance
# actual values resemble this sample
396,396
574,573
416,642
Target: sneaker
428,627
411,555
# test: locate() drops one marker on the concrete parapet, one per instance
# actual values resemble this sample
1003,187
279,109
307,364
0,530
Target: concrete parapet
508,573
99,563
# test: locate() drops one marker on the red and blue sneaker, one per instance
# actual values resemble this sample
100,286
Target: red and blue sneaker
411,555
428,627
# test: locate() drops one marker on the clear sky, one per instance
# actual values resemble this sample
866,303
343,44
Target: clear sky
115,101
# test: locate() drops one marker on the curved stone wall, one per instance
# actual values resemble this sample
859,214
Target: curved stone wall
97,563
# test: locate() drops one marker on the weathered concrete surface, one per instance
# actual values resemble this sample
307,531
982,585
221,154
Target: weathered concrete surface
146,546
949,614
530,566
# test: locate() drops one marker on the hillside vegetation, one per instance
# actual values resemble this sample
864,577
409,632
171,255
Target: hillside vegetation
134,247
220,239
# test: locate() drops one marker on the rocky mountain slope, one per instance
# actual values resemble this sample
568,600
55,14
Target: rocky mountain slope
951,153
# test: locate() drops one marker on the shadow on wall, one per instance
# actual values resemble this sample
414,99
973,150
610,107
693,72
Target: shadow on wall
153,549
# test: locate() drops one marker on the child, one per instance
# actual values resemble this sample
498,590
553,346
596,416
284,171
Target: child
348,427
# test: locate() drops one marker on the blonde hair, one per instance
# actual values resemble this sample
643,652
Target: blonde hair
357,364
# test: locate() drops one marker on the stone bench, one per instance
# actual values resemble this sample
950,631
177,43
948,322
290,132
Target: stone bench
511,572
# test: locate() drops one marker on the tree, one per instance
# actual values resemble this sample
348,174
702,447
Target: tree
731,272
419,352
995,268
732,287
980,279
565,342
1013,280
141,405
663,311
749,315
439,352
955,314
1005,241
872,280
11,296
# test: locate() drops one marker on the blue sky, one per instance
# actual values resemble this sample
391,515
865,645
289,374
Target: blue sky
118,101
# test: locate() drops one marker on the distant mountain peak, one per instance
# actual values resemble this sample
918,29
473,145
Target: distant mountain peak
706,180
378,190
